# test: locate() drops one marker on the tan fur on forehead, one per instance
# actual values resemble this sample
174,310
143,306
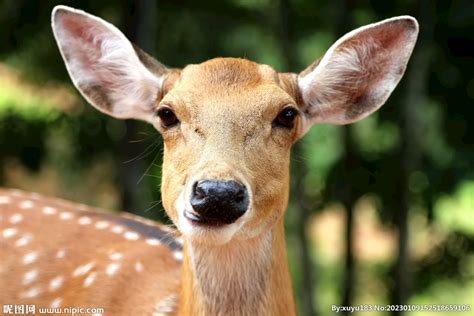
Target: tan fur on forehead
249,90
230,73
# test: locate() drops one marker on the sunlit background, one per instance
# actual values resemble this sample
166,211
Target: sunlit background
382,211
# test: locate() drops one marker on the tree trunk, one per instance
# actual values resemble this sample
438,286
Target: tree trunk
138,20
300,169
350,162
348,199
410,153
302,202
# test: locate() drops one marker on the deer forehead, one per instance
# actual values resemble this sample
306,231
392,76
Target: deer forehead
231,73
235,88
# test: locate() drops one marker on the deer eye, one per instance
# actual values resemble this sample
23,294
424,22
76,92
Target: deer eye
286,118
167,117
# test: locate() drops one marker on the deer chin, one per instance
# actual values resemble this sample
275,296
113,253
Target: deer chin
205,233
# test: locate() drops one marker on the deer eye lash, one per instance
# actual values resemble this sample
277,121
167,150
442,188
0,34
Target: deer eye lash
167,117
286,118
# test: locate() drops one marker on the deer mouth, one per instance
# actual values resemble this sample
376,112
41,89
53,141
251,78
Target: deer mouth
204,229
196,219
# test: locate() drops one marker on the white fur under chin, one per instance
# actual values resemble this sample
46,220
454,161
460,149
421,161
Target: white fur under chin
232,279
231,273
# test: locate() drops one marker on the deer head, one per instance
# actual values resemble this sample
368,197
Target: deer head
228,124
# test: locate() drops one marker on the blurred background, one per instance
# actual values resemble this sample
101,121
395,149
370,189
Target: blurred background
382,211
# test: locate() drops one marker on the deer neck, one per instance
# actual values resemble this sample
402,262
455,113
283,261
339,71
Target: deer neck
248,277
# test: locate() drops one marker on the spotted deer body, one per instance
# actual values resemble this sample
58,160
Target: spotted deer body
228,125
56,253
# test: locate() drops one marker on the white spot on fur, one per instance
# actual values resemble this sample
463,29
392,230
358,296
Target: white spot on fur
117,229
90,279
35,195
84,220
30,257
16,192
61,253
102,225
9,232
65,215
56,283
56,303
33,292
81,270
5,199
153,242
48,210
24,240
16,218
112,268
116,256
165,306
83,207
131,235
27,204
138,266
30,276
178,255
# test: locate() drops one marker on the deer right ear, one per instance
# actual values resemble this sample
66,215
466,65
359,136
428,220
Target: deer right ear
113,75
358,73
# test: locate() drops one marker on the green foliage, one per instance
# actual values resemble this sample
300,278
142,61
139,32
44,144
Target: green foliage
374,138
322,149
313,46
455,212
87,151
14,101
252,42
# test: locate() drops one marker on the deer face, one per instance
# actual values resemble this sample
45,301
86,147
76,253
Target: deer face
228,124
227,148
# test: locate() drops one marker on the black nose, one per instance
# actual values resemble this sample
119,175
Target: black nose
218,202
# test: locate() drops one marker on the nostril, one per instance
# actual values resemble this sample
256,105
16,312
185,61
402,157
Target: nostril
240,195
198,190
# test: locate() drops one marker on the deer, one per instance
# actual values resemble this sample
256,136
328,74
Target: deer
228,126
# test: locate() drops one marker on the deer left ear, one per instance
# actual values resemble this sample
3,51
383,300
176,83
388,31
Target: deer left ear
358,73
113,75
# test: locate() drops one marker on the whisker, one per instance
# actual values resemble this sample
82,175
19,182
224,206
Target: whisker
147,169
151,175
133,141
154,204
145,153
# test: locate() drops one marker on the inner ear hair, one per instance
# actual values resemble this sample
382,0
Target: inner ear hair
358,73
114,75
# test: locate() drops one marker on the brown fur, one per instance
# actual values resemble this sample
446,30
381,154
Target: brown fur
84,244
226,108
221,130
